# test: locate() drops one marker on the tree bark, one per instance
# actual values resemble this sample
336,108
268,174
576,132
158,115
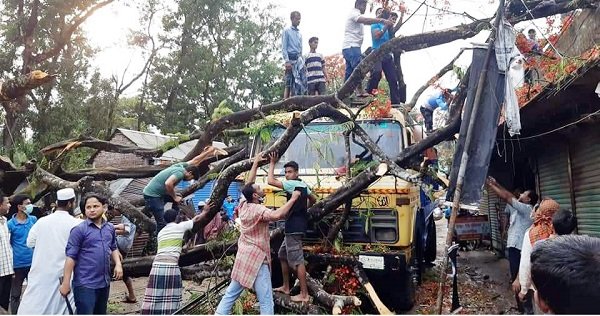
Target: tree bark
14,88
91,142
284,301
409,43
87,184
214,128
199,273
138,267
335,302
216,169
109,173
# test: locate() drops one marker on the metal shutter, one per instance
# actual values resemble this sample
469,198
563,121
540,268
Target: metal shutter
585,159
554,175
494,208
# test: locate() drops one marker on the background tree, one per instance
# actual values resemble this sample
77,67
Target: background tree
45,35
218,50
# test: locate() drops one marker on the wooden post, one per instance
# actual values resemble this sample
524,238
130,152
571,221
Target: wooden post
465,156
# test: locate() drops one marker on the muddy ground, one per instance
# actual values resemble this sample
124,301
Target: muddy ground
484,286
483,282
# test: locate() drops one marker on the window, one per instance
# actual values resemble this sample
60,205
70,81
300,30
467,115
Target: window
321,145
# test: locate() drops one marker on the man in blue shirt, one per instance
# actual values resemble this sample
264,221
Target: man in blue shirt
91,245
291,49
380,34
19,226
439,99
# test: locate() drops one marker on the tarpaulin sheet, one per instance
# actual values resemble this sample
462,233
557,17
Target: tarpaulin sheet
484,135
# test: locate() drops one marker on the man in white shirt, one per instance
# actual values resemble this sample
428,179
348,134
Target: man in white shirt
6,254
353,38
48,237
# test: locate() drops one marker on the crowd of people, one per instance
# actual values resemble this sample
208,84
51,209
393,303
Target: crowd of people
551,270
308,74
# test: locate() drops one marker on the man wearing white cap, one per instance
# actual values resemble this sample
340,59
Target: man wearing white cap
48,237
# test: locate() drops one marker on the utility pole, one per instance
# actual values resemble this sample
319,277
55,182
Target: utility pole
465,155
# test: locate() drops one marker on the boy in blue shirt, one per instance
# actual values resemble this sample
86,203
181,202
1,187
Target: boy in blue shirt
19,226
380,34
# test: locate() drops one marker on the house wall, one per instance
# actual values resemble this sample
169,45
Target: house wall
110,159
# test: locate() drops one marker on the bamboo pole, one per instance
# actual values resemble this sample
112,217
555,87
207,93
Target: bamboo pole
465,156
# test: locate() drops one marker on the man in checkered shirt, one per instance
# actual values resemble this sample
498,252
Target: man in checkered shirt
252,267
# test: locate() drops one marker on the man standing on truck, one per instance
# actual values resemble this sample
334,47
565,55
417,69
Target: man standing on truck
290,253
353,38
519,211
381,34
295,68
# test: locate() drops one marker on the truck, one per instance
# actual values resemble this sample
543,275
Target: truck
390,223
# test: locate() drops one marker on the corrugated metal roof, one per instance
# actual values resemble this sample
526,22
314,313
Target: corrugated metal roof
145,140
117,186
179,152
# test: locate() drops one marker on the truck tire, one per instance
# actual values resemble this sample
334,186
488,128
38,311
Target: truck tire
431,242
405,300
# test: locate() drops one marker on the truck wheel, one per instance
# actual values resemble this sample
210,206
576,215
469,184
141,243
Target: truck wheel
407,294
431,243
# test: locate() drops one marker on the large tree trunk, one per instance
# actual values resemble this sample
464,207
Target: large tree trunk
87,184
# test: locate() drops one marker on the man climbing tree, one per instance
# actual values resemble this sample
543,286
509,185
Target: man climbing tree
161,189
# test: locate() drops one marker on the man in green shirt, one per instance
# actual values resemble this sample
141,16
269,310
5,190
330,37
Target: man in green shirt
161,189
291,254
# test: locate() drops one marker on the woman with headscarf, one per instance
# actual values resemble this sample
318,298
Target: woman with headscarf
540,230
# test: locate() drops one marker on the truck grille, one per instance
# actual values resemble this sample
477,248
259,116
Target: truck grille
383,227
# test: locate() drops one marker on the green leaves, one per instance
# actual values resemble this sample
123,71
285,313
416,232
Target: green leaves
221,110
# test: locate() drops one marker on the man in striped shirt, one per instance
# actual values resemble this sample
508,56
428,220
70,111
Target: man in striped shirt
315,67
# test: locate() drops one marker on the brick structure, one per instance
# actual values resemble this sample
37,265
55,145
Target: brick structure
127,137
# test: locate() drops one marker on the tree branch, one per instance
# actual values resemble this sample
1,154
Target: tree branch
66,35
214,128
433,79
95,143
17,87
87,184
409,43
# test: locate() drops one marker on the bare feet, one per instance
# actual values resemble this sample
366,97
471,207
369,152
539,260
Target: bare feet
300,298
283,290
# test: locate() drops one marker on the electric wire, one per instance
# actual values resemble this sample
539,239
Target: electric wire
556,129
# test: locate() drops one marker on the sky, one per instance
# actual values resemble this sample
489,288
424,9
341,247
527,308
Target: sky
107,30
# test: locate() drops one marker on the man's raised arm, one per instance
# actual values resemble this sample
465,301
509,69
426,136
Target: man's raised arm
281,212
271,177
502,192
257,160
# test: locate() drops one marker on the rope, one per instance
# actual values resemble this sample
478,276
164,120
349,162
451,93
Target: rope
556,129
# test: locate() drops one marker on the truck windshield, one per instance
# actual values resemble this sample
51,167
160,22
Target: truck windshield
320,146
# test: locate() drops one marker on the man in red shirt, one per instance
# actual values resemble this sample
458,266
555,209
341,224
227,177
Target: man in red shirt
253,259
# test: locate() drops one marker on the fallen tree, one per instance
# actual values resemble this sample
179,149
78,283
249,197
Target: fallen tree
305,110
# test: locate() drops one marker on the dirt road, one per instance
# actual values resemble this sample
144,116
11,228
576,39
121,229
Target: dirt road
483,283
